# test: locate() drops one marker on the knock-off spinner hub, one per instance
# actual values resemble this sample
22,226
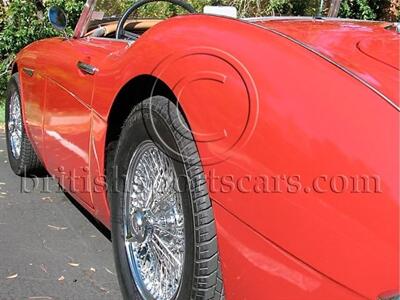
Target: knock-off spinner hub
140,225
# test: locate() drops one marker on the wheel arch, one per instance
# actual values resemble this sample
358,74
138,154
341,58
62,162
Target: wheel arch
14,68
131,94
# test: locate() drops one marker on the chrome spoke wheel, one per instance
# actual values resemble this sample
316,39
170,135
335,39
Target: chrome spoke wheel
15,125
154,223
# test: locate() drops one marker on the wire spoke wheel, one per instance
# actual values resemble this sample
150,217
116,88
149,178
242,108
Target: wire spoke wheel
15,125
154,223
162,221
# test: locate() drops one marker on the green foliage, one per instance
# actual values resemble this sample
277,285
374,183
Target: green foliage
150,10
370,9
2,17
111,8
22,27
26,21
246,8
357,9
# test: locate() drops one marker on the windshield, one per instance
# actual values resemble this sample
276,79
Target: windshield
106,10
106,13
112,10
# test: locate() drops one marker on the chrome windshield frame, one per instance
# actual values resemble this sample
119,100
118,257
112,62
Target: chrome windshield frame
84,20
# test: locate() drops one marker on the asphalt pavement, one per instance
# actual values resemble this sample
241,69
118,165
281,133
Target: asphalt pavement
50,248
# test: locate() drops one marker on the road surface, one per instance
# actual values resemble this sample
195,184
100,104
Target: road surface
49,247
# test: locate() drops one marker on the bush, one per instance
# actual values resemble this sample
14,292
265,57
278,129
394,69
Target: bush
370,9
357,9
25,21
2,17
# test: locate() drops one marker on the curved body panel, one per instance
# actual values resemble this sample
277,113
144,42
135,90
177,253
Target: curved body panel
262,109
367,49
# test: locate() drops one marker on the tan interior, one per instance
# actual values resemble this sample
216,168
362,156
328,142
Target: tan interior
137,26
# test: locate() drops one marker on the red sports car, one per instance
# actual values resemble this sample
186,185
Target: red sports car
231,158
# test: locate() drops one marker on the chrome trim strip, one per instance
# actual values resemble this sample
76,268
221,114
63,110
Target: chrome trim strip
89,38
344,69
272,18
389,296
307,18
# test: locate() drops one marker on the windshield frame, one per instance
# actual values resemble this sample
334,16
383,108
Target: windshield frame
84,20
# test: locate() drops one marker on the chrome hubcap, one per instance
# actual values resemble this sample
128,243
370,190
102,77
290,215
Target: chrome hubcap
15,125
154,223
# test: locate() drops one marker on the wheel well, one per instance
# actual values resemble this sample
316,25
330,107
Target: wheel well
134,92
14,68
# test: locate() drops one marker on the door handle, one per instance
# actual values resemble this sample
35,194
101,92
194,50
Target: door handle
86,68
28,71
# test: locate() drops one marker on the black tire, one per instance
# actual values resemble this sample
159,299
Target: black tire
27,163
201,272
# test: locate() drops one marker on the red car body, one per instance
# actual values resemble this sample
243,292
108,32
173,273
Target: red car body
307,98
